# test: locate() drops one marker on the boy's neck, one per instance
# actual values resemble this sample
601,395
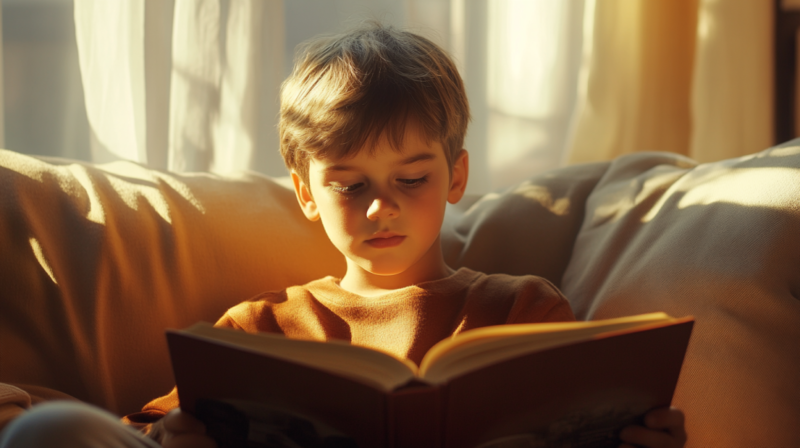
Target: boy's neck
358,280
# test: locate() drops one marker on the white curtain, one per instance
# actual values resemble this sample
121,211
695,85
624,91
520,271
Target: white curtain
687,76
184,85
110,38
192,85
533,64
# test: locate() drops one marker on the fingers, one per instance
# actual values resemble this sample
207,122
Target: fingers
665,429
641,436
184,431
179,422
664,418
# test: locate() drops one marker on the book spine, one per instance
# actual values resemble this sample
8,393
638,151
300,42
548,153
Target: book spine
416,417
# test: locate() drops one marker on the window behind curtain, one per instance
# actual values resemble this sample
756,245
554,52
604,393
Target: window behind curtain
44,112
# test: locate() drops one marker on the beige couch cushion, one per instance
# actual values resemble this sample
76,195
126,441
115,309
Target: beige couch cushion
720,241
527,229
99,260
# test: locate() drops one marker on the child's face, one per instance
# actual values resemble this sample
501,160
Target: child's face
384,210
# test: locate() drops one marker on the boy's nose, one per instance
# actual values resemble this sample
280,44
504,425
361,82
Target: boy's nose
382,208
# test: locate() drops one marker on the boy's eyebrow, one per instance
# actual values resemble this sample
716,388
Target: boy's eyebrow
418,158
407,161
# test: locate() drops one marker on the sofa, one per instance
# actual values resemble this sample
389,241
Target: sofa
97,260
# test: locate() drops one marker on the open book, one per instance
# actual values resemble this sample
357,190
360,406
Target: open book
570,384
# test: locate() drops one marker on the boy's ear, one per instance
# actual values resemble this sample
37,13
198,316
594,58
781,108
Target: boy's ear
304,197
458,180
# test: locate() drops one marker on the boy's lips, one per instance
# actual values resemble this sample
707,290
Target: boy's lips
386,241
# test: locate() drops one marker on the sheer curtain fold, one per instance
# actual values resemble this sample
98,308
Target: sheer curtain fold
687,76
732,102
214,107
533,62
180,84
519,60
110,38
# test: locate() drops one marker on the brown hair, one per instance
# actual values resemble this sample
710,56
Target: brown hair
349,90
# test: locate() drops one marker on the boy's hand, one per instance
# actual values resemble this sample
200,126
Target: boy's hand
664,428
182,430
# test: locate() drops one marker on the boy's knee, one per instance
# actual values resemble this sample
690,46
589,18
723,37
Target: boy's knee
65,424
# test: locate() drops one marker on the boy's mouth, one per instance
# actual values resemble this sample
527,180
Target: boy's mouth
389,241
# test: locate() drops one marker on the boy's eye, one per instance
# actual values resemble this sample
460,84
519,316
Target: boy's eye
347,189
413,182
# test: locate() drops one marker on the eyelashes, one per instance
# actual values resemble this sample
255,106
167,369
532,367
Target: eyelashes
414,183
404,183
349,189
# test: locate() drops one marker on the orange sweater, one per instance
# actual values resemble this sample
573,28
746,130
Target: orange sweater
406,322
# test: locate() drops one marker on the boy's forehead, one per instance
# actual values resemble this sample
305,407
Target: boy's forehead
415,146
402,156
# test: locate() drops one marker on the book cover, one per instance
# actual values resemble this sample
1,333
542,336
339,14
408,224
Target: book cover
572,384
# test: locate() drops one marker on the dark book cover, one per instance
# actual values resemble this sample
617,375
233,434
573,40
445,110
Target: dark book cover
578,394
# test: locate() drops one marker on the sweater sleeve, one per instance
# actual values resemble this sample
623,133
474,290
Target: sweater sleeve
13,401
538,300
152,412
17,398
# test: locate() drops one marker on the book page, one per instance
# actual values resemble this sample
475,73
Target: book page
488,345
374,367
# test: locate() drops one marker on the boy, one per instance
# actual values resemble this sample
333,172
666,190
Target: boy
372,128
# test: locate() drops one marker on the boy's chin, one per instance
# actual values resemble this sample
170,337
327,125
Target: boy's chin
386,271
382,269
